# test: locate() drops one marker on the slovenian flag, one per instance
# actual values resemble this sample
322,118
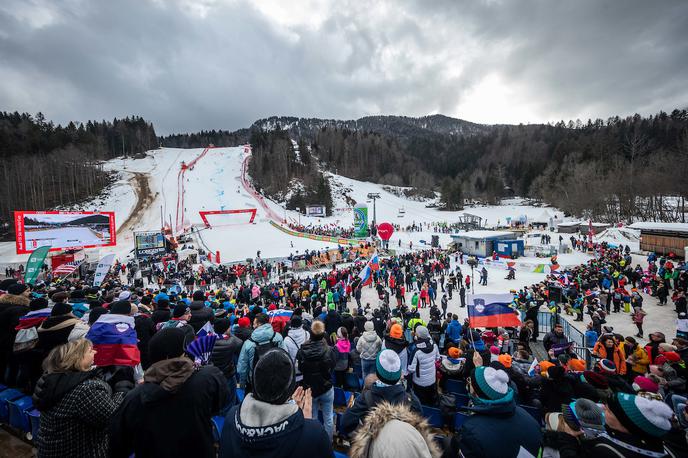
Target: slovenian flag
206,330
366,275
374,263
33,319
492,311
114,339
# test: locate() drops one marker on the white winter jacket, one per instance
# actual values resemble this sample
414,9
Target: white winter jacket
368,345
422,366
295,338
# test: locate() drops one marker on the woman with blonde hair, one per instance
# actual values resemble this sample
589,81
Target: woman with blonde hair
76,403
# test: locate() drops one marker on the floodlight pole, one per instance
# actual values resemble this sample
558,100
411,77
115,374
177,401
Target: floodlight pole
374,196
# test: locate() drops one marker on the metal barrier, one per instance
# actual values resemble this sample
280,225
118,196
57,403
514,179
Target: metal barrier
546,321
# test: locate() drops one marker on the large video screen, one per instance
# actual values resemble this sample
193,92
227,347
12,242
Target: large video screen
64,230
149,244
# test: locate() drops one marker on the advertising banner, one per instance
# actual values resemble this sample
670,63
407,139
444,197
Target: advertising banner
103,268
59,230
361,220
149,244
34,264
316,210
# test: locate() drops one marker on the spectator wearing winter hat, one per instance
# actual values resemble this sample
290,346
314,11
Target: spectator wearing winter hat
395,341
636,357
607,349
200,314
225,353
78,301
296,336
341,348
180,317
394,431
368,346
422,367
162,311
13,305
496,415
557,389
59,328
174,397
634,427
617,383
267,423
452,366
593,385
385,388
316,361
243,329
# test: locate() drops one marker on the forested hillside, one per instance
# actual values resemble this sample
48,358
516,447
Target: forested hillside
46,165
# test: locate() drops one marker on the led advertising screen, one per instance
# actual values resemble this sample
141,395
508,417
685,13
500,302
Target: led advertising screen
149,244
316,210
64,230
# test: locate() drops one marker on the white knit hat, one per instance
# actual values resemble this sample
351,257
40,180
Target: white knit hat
388,367
368,326
493,383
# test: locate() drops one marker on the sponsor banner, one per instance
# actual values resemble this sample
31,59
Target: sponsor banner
103,268
361,220
317,211
34,264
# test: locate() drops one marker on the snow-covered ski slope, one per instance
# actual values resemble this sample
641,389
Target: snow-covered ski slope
148,191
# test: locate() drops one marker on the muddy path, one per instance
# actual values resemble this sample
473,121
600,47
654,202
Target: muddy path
144,199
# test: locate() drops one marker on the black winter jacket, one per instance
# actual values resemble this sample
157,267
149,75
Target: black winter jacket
394,394
200,315
225,354
155,422
316,360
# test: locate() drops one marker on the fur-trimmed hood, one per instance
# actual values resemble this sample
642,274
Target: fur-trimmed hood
389,427
14,299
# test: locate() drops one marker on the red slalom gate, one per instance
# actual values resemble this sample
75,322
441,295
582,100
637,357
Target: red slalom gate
204,214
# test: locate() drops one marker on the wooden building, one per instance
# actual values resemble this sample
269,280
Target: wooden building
663,238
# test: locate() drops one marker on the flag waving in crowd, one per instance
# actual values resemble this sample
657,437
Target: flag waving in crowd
366,274
114,339
492,311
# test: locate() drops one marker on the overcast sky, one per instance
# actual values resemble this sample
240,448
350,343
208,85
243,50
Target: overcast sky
188,65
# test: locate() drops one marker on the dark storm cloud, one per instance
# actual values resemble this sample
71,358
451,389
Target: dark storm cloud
190,65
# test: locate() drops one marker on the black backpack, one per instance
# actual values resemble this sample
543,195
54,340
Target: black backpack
262,348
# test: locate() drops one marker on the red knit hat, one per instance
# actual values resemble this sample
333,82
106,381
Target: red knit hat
272,307
672,356
244,322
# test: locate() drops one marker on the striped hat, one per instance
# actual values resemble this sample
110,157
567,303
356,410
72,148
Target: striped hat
640,415
490,383
388,367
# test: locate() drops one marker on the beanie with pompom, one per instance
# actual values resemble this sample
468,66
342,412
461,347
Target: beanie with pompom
490,383
640,415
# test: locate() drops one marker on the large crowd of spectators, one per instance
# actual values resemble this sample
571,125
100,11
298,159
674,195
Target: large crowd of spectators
304,367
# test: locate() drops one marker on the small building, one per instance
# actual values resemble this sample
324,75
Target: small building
511,249
663,238
596,227
568,227
481,243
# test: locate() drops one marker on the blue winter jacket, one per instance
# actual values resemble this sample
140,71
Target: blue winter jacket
503,419
454,331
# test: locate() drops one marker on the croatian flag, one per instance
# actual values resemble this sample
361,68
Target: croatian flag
207,329
492,311
33,319
114,339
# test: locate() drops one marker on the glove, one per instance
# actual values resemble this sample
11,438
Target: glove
121,374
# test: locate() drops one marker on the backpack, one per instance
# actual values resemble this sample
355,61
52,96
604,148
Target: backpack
262,348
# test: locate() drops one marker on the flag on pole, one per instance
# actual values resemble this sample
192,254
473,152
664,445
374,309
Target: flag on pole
65,270
103,268
531,369
114,339
492,311
34,264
